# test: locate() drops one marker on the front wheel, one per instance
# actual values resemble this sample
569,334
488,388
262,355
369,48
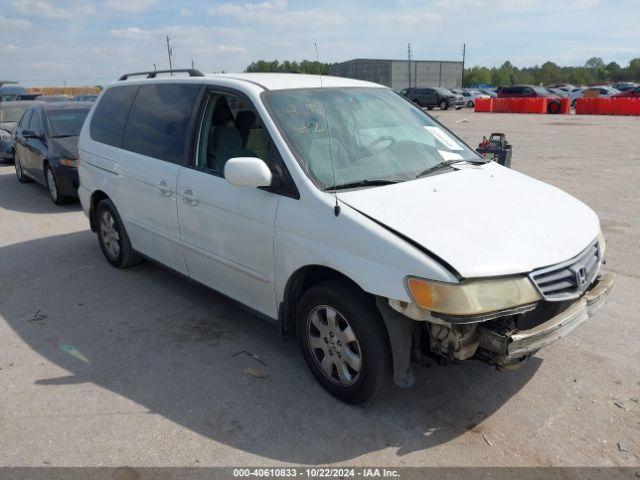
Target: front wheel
113,238
52,187
470,104
344,341
444,105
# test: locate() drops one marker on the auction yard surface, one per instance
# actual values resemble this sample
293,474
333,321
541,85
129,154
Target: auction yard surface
139,367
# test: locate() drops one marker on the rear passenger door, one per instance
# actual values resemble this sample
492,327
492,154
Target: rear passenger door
228,231
33,157
153,144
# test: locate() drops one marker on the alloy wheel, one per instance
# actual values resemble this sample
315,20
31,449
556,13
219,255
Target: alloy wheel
110,235
51,185
18,167
334,345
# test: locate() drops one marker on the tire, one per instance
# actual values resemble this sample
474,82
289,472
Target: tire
358,334
52,186
553,107
429,108
22,177
112,236
444,105
470,104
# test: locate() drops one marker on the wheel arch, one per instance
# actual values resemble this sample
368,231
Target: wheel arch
96,198
299,282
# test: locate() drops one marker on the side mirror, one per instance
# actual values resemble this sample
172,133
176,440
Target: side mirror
247,172
27,133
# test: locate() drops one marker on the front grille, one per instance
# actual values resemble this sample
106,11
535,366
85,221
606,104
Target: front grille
569,279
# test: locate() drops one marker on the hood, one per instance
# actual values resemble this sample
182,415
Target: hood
65,146
483,221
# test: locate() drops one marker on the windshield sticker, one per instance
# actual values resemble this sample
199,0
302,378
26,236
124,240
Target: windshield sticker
444,137
449,155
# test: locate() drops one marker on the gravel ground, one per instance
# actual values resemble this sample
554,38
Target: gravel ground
102,367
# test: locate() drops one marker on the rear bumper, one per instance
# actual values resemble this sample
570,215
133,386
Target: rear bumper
510,348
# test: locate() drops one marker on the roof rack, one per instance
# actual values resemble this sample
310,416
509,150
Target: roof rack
152,74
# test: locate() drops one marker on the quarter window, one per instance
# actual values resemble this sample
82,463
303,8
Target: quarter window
110,116
159,119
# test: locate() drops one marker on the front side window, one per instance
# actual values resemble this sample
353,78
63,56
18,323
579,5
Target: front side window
26,118
36,122
66,123
360,134
159,120
230,128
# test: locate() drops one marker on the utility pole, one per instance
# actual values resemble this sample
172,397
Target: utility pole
170,53
409,62
464,53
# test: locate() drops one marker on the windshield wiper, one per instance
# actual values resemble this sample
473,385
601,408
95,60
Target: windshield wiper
63,136
446,163
362,183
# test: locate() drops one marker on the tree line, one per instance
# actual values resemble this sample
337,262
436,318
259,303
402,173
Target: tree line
594,71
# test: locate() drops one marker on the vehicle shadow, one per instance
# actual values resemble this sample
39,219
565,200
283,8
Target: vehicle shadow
180,350
27,197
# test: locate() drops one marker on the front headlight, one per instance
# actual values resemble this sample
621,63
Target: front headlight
472,297
4,136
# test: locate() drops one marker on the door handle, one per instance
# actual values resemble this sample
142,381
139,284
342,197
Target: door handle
165,188
190,196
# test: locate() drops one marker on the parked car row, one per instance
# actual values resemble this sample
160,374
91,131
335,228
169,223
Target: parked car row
282,194
45,147
431,97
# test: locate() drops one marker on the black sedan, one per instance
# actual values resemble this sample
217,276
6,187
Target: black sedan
46,147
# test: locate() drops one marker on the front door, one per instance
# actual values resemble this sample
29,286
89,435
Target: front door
227,232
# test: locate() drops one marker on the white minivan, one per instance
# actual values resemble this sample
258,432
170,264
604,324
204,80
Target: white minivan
344,214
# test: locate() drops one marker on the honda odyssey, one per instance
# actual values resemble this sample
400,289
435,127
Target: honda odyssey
343,213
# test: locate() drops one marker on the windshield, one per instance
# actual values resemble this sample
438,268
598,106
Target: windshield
66,123
443,91
12,113
374,134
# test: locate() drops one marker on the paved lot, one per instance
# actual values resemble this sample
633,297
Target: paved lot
139,367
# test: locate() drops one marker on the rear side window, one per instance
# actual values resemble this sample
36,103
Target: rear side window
159,119
110,116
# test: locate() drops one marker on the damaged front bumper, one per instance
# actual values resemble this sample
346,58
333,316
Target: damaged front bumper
509,347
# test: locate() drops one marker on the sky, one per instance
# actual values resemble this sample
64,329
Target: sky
81,42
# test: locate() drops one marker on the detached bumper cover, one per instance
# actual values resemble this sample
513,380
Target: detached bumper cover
510,348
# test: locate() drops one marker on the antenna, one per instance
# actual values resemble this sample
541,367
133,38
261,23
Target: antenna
409,62
336,209
170,53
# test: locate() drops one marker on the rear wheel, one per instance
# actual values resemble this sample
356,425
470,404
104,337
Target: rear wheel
344,341
22,177
444,105
113,238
